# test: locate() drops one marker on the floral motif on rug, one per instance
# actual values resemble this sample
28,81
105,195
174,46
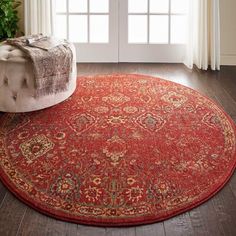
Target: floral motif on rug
123,150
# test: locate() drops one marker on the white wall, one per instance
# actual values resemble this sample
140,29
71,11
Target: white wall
228,32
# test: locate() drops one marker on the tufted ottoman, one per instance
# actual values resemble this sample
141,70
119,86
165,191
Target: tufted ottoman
17,84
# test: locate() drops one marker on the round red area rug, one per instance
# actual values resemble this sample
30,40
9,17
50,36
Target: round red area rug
123,150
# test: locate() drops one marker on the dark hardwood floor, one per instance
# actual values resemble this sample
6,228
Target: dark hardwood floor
214,218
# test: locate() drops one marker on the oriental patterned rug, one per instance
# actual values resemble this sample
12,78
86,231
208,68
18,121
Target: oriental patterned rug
123,150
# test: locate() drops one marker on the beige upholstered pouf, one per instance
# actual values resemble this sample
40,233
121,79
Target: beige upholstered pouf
17,92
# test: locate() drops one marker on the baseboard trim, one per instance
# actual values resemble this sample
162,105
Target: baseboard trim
228,60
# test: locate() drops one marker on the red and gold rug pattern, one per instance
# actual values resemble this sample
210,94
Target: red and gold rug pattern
123,150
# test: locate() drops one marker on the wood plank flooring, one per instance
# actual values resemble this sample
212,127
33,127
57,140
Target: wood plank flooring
214,218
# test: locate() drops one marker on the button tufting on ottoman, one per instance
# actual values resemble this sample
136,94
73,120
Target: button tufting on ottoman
17,92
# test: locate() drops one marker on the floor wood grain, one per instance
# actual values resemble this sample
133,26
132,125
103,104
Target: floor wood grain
216,217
